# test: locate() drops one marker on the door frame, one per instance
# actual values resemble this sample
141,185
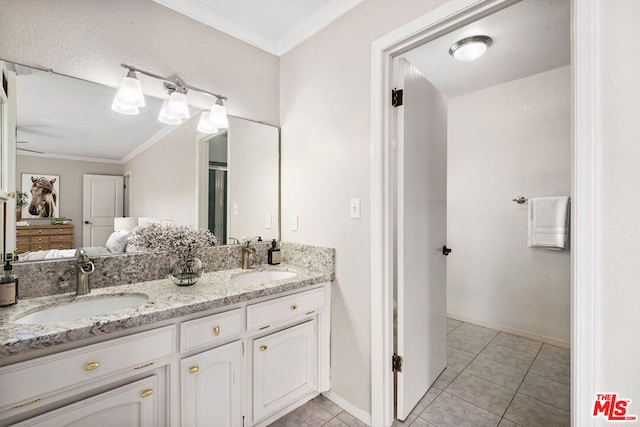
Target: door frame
585,232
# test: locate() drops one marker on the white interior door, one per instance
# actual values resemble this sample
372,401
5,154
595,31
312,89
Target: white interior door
102,200
421,234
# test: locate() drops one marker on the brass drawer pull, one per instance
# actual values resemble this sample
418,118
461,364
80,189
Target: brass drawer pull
216,331
91,366
264,327
294,307
193,369
146,392
22,405
146,365
263,348
310,312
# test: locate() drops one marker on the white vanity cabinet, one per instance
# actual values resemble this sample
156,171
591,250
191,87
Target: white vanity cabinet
132,405
242,365
211,387
292,362
284,368
211,381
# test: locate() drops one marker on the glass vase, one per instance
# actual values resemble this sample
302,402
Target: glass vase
186,272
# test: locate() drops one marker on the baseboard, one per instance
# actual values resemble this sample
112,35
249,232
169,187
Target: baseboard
363,416
518,332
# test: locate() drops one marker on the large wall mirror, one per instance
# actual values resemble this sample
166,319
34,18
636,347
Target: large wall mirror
104,165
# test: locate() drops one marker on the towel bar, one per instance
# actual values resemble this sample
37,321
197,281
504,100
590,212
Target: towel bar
520,200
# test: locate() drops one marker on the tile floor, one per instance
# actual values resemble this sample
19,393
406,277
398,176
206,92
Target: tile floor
492,378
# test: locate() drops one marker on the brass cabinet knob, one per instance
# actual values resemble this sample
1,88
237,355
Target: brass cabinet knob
12,195
91,366
294,307
146,392
216,331
263,348
193,369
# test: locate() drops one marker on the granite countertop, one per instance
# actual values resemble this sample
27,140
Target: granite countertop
166,301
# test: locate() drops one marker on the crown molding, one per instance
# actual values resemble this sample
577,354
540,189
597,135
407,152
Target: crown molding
303,30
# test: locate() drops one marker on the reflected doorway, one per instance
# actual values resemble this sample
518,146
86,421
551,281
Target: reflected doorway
218,186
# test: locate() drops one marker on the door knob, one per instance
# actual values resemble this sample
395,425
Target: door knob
445,250
87,222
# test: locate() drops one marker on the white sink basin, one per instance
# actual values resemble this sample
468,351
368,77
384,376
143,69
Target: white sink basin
80,309
263,276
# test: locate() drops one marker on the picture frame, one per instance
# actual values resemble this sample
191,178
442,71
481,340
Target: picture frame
43,196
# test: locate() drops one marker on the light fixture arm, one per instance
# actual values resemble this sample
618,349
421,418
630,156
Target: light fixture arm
175,83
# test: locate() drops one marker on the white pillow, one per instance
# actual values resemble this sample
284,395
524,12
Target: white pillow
117,242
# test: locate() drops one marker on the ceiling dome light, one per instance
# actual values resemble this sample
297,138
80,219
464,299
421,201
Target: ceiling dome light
129,96
471,48
218,115
204,125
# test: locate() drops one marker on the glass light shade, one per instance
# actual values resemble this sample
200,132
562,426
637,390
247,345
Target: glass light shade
470,48
218,116
204,125
178,106
166,118
121,108
130,92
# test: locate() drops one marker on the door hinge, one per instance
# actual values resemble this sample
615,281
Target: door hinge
396,97
396,363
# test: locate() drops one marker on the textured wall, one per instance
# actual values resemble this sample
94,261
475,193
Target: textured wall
91,38
620,245
325,117
506,141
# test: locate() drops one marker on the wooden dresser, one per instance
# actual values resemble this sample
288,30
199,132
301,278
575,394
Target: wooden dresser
44,237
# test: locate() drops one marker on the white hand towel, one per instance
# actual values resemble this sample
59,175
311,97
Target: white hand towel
548,222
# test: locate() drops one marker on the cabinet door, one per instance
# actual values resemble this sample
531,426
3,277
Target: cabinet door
211,387
134,404
284,368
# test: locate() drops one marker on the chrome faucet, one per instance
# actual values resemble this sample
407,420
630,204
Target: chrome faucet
233,241
247,251
84,267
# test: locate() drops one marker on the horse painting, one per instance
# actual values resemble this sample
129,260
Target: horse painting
44,197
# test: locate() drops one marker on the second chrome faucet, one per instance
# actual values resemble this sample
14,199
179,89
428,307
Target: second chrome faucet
84,267
247,252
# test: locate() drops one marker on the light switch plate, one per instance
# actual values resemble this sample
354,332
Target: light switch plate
267,221
354,208
294,222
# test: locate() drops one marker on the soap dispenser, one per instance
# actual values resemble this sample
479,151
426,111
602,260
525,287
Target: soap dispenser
8,287
273,254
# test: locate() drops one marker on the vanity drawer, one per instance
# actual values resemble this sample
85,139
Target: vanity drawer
210,330
65,370
263,315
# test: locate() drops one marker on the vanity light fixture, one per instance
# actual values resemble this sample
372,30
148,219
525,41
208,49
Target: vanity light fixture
129,95
470,48
129,98
205,125
218,115
166,118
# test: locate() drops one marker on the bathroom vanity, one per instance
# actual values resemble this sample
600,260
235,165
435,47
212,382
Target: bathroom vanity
236,349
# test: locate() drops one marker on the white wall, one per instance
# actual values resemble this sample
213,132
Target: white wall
325,119
70,172
163,178
619,368
90,39
506,141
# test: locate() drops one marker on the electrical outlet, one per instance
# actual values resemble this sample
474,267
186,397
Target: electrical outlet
294,222
354,208
267,221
